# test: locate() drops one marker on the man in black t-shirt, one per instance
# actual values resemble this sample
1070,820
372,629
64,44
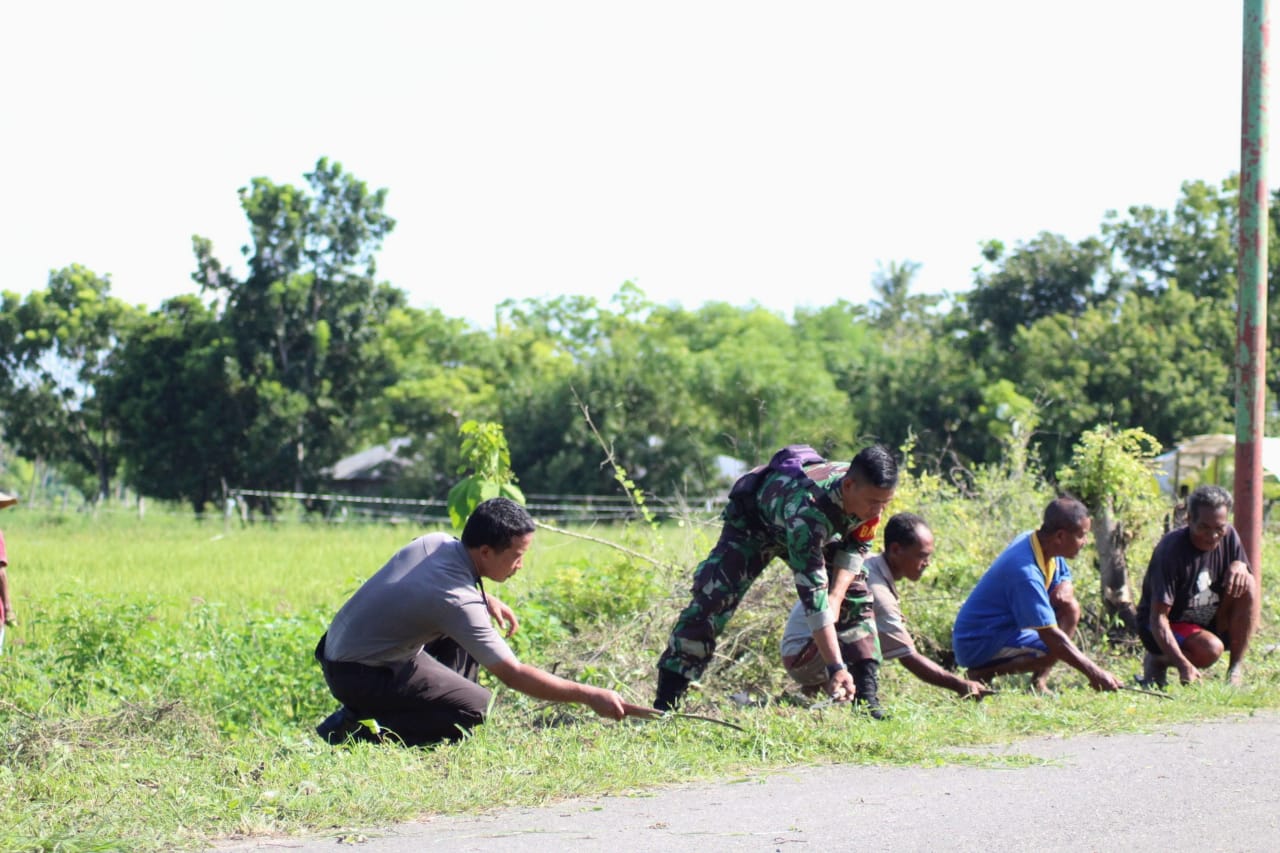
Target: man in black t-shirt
1198,595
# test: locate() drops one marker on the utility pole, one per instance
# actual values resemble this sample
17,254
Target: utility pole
1251,342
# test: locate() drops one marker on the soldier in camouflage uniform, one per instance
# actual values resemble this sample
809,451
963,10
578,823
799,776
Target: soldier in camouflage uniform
791,508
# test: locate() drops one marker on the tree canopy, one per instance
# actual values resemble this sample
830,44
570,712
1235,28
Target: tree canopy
265,380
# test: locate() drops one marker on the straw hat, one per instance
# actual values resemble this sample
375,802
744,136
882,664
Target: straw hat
7,500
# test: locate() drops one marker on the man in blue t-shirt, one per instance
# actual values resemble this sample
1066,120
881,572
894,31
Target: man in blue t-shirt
1021,615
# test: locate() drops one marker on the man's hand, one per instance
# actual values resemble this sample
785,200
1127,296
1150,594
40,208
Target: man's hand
502,614
606,703
1102,680
840,687
1187,672
9,617
975,690
1237,580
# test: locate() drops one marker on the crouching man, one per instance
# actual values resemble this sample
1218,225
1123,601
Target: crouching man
404,652
1021,615
1198,595
908,548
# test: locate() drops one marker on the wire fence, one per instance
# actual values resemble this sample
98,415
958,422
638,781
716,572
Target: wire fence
252,504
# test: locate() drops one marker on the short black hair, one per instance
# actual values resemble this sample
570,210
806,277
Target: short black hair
495,523
1064,513
1207,497
875,466
903,529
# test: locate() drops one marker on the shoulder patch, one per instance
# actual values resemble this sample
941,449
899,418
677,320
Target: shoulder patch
866,531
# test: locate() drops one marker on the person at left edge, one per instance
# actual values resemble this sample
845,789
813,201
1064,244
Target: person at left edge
404,652
7,616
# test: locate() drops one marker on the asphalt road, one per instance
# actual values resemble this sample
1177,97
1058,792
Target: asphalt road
1198,787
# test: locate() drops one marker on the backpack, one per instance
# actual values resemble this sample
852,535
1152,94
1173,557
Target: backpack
790,460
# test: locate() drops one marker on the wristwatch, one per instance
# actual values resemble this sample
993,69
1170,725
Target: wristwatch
833,668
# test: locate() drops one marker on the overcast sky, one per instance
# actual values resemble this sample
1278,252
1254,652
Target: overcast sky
735,151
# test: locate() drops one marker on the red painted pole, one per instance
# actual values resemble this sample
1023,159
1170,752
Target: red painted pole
1251,343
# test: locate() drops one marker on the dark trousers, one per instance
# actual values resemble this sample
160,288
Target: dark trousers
719,584
431,698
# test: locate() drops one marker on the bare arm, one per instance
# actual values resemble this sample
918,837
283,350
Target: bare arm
543,685
1061,647
827,642
930,673
829,647
502,614
1163,632
9,618
1237,579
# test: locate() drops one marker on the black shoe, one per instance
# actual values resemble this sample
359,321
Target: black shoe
866,680
342,726
671,690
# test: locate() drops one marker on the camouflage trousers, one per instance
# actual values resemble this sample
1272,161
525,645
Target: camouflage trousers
723,579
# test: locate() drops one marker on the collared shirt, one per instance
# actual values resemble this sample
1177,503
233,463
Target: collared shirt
802,515
895,639
428,590
1011,596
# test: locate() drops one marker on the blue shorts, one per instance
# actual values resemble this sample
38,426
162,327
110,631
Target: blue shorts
1021,644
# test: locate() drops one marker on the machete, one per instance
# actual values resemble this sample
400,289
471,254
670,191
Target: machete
645,713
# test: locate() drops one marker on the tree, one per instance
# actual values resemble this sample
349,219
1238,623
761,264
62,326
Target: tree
927,389
1111,473
1141,362
1048,276
182,408
306,318
628,370
765,384
895,306
1192,246
55,352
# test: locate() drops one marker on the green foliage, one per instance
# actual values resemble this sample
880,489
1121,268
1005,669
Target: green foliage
1112,468
485,453
1012,417
1112,471
1139,363
597,590
306,320
160,691
1047,276
55,355
182,428
308,357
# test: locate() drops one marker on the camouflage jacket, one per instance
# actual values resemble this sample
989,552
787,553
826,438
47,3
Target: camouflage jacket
800,515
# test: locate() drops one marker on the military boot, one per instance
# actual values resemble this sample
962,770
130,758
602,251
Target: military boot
866,679
671,690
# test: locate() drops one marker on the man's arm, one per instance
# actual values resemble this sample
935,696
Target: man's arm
543,685
9,618
930,673
1237,579
502,614
1163,632
1061,647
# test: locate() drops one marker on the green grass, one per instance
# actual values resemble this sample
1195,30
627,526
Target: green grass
160,691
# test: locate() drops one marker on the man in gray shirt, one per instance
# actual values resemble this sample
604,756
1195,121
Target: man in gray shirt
404,652
908,548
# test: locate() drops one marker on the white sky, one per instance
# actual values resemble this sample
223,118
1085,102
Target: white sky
736,151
